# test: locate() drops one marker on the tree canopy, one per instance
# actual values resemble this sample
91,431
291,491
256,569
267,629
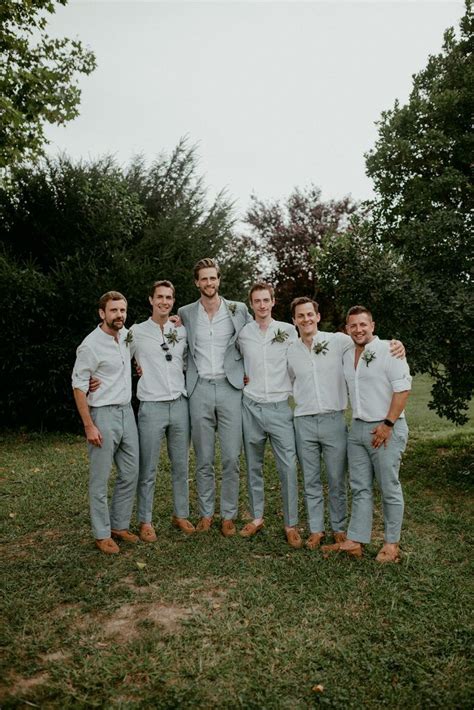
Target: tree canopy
285,234
412,263
75,230
37,78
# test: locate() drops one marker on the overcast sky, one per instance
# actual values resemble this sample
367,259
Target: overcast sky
276,94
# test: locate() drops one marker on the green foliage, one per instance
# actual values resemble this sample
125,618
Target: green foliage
413,263
285,234
74,231
37,83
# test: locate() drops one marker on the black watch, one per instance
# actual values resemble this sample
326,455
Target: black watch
388,423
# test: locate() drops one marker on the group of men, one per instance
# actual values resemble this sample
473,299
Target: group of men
216,371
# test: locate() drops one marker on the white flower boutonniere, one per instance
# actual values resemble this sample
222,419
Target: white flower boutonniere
280,336
172,337
321,348
129,338
368,356
232,308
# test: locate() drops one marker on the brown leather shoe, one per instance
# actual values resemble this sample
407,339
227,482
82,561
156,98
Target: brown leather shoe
314,540
251,529
340,536
228,528
124,535
204,525
147,534
294,538
355,551
183,524
107,546
390,552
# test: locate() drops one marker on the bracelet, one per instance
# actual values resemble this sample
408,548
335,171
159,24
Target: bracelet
388,423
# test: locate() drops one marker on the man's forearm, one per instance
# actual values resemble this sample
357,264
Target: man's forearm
397,405
80,398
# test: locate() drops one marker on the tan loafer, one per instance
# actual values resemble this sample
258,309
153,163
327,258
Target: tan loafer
147,534
125,536
183,524
390,552
293,538
228,528
314,540
355,551
251,529
204,525
340,536
107,546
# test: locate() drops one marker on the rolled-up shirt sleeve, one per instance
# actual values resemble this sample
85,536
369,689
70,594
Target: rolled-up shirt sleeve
85,366
398,373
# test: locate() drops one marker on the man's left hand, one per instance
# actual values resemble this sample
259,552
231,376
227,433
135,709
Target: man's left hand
381,435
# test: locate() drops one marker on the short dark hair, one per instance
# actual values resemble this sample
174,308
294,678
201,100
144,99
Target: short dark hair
355,310
261,286
299,302
157,284
205,264
110,296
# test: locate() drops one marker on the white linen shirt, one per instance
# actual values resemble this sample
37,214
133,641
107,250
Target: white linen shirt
102,356
371,385
162,380
318,380
212,340
265,362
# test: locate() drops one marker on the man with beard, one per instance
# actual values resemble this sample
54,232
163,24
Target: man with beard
109,422
214,381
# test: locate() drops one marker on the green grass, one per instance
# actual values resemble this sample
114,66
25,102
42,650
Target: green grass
209,622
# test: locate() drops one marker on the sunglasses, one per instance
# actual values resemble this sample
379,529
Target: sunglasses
165,347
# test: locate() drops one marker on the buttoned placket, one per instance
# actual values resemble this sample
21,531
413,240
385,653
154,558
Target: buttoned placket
313,357
358,412
121,345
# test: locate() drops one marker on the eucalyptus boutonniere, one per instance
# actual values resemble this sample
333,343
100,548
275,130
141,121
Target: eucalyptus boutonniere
232,308
368,356
280,336
321,347
129,338
172,337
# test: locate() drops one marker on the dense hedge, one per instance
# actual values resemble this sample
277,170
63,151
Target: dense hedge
73,231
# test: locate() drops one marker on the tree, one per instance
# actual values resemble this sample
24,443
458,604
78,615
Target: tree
413,262
285,235
75,230
37,83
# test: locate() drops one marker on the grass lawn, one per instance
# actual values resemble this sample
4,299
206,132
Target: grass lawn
205,622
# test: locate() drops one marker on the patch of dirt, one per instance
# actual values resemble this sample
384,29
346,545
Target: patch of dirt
19,685
55,656
123,625
64,610
129,582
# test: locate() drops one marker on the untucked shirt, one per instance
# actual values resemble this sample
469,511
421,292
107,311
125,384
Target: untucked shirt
318,377
162,380
265,360
377,376
102,356
212,340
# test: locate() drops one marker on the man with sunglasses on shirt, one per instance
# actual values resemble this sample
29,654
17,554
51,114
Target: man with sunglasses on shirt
159,347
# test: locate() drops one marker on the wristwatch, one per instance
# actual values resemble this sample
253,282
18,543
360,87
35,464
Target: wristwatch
388,423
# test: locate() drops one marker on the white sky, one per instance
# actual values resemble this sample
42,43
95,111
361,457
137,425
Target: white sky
276,94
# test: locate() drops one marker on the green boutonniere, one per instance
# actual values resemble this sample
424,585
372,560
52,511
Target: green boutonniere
368,356
321,347
232,308
172,337
280,336
129,338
